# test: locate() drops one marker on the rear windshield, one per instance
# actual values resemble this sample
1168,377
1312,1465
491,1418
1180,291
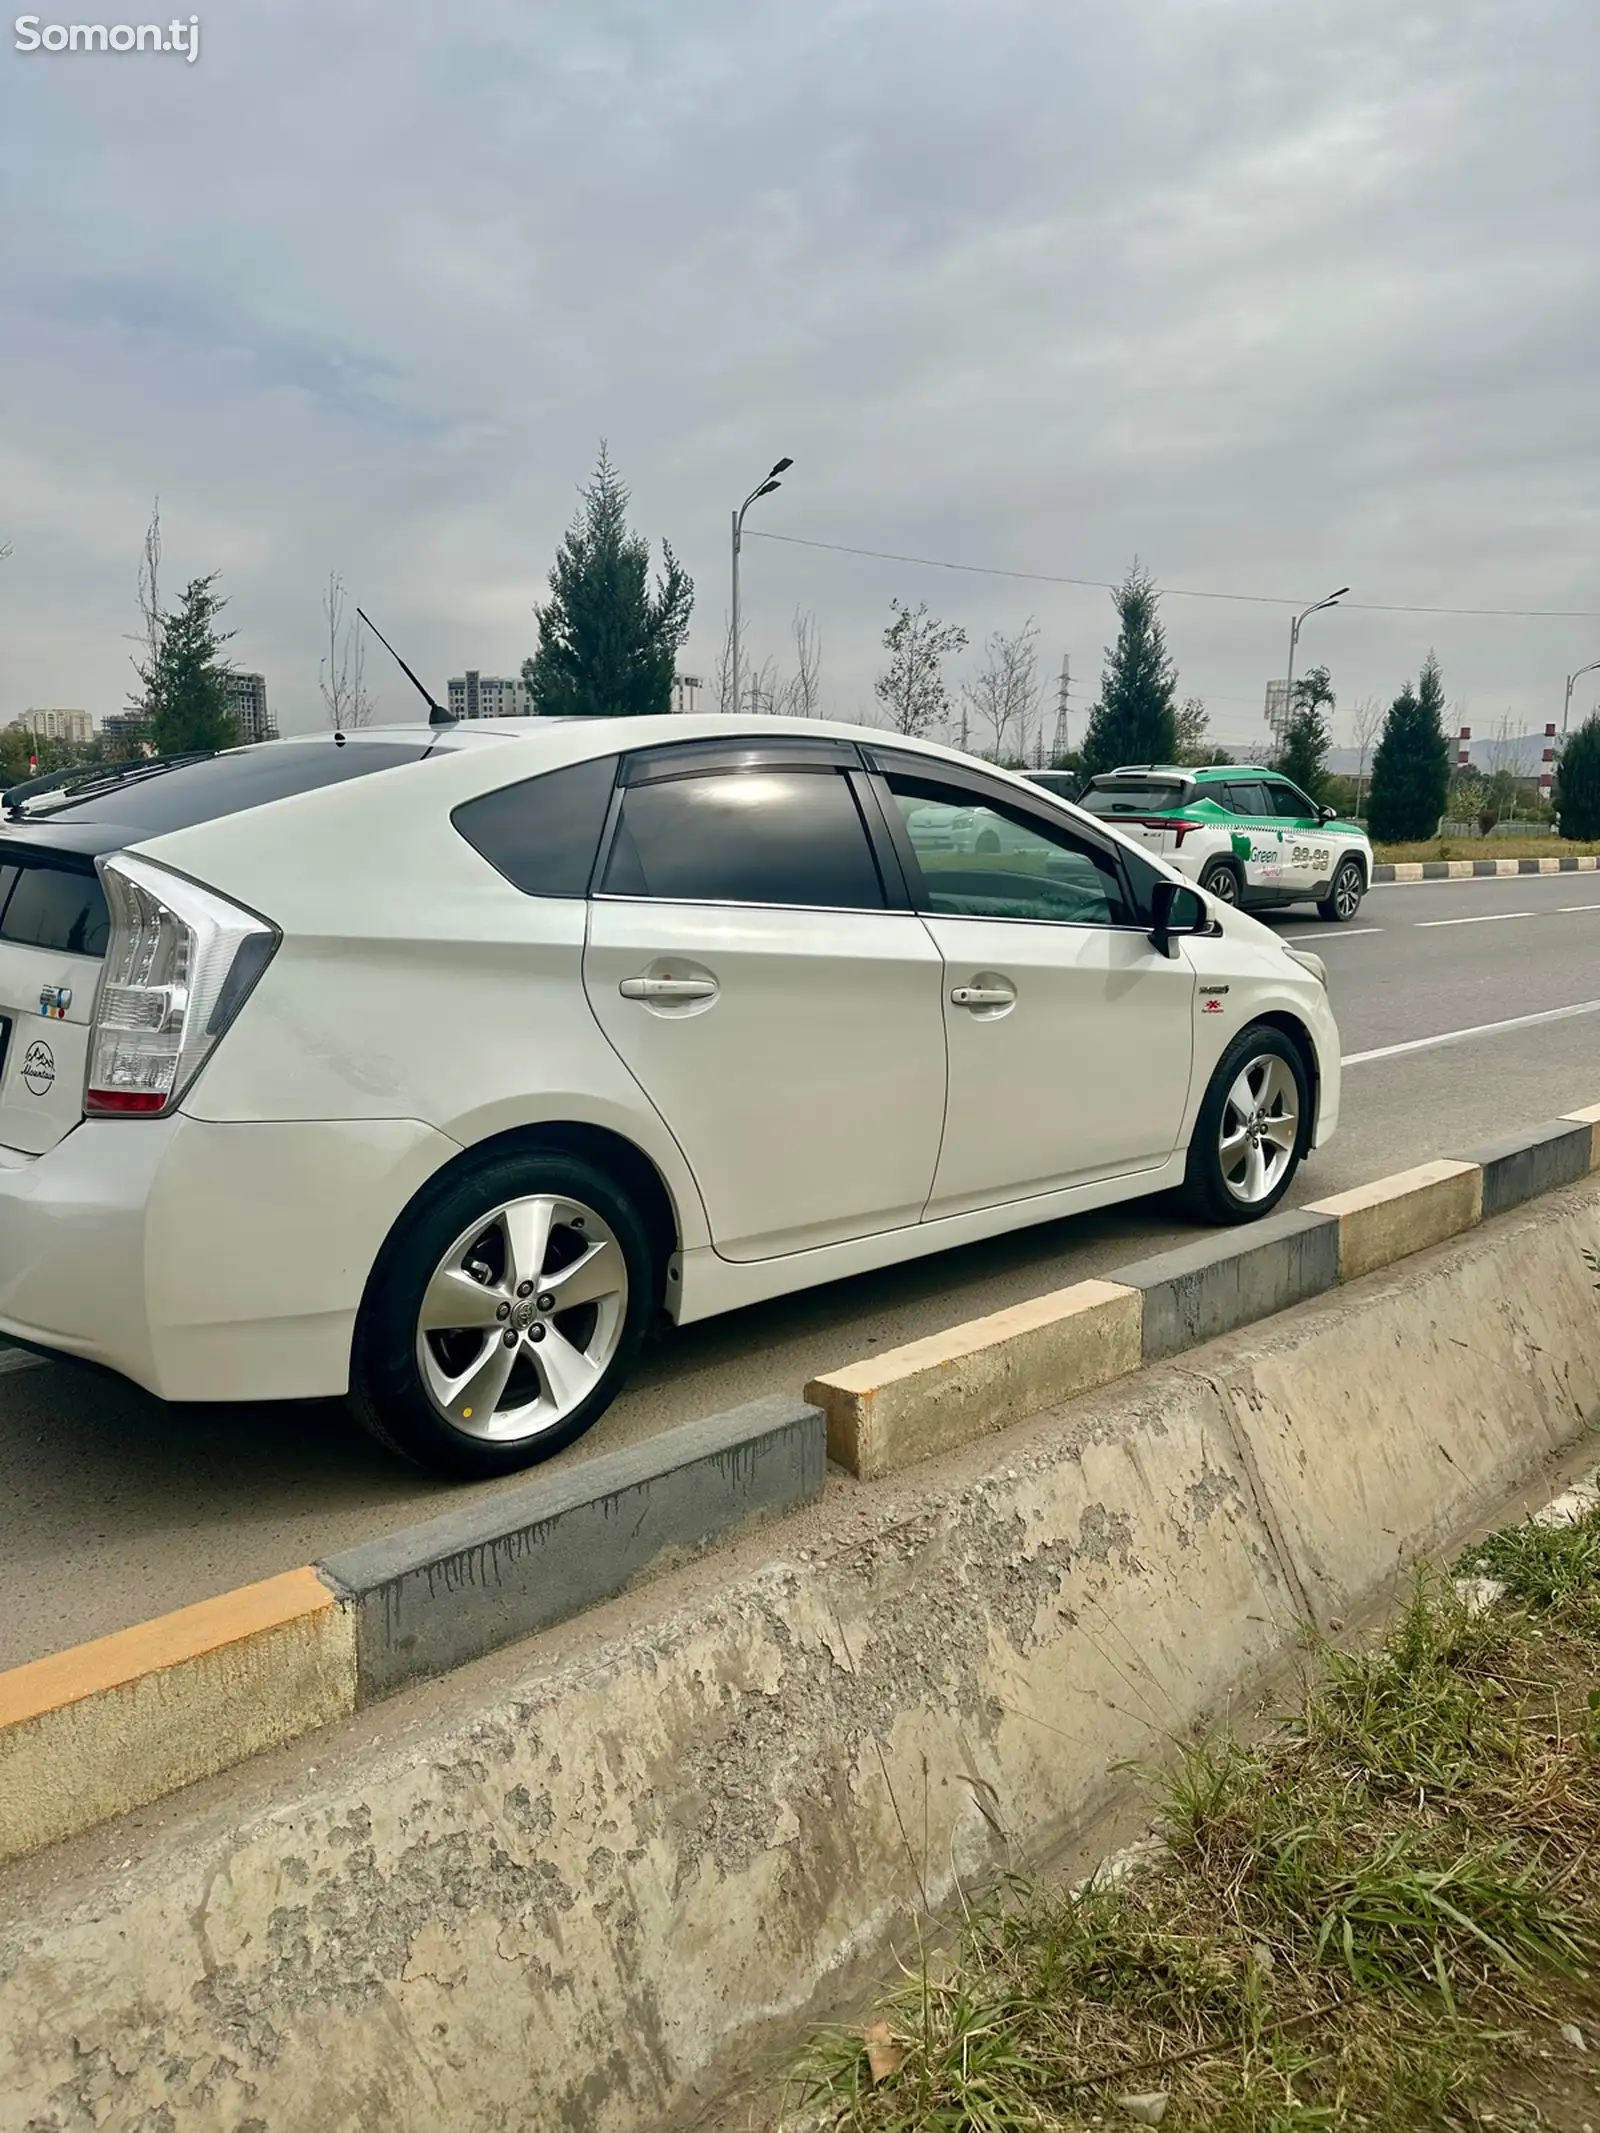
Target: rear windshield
62,909
1129,796
152,799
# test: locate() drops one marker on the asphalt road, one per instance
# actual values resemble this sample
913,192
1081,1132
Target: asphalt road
114,1507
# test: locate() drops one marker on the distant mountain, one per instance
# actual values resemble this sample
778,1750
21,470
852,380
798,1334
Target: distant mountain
1520,753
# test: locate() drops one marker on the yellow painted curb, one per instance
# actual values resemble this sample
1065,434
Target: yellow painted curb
91,1732
1589,1117
942,1391
1393,1217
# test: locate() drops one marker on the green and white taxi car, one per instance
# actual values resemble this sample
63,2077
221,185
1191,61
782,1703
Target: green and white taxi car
1243,833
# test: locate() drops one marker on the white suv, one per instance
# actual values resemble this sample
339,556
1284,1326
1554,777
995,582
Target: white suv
430,1066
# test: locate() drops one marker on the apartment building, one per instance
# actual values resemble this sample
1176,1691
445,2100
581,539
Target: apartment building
475,695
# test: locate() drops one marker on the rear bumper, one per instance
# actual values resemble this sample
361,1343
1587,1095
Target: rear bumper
206,1262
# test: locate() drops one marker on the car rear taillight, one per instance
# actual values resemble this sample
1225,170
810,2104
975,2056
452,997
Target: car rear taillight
180,963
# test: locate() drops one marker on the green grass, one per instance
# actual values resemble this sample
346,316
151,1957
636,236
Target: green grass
1370,1920
1545,847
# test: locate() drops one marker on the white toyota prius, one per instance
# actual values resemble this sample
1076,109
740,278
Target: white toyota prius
431,1065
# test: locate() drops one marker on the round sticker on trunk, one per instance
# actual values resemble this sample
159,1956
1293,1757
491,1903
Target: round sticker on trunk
39,1068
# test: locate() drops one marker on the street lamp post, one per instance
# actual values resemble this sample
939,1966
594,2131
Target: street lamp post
765,489
1316,608
1576,676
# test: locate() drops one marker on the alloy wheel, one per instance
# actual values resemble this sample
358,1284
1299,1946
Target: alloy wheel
1347,890
522,1317
1260,1128
1223,884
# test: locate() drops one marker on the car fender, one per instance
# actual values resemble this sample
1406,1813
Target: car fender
644,1130
1199,847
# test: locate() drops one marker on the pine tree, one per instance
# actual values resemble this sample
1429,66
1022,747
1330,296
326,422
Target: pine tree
183,681
1411,770
1303,757
607,642
1135,720
1577,792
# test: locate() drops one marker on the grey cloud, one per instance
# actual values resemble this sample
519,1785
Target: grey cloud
1276,297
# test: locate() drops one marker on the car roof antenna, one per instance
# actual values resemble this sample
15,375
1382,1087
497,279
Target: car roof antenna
437,714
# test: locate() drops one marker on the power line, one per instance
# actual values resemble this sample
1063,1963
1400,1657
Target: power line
1181,592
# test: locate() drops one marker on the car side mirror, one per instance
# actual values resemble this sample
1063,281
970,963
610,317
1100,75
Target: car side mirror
1327,814
1175,910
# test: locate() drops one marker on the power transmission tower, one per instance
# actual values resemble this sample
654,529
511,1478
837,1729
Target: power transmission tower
1059,746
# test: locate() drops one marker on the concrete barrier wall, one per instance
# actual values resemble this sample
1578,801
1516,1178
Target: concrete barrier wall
567,1901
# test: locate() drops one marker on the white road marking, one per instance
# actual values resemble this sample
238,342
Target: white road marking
1578,907
21,1359
1340,933
1484,918
1480,1029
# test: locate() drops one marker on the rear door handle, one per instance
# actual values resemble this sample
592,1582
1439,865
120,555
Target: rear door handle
982,996
668,988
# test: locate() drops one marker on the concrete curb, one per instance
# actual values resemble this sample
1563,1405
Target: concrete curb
914,1401
93,1731
103,1727
1208,1288
1393,1217
893,1409
1527,1164
435,1595
1481,869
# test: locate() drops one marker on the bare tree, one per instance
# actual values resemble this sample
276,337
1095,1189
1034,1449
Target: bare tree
911,687
150,584
1003,695
723,683
761,692
1367,718
1507,751
801,694
5,550
1193,725
341,671
146,659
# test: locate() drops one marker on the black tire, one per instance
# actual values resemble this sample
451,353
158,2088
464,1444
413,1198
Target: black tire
1222,879
1348,886
389,1395
1207,1191
988,841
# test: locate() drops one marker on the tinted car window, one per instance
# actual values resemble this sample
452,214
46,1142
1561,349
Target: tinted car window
50,908
1289,805
749,837
979,859
543,834
152,800
1247,799
1135,799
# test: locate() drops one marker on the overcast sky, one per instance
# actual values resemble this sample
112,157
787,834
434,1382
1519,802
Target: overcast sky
1276,297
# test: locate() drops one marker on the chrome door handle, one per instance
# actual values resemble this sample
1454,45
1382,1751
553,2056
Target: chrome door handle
981,996
668,988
